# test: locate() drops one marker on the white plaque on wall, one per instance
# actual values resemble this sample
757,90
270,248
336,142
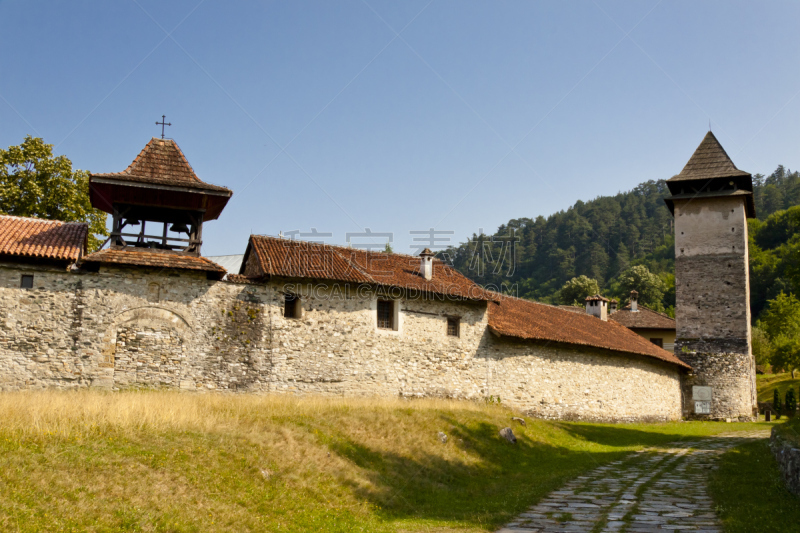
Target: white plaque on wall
702,407
701,393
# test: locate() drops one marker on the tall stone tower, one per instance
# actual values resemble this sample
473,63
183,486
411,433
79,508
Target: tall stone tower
711,202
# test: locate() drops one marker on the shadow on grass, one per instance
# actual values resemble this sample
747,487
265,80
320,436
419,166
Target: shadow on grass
487,481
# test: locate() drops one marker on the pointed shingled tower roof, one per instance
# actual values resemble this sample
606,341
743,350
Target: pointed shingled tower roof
161,162
710,173
710,160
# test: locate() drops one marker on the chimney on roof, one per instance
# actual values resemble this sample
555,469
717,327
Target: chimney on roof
597,306
634,301
426,263
612,307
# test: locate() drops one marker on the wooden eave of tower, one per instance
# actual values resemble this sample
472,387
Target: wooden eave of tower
710,173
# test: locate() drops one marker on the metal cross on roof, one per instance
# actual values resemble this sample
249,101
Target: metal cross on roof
162,124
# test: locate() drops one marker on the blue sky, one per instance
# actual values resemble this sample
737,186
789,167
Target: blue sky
402,116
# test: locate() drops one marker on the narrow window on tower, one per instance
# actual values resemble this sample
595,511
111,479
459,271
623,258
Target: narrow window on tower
453,324
27,281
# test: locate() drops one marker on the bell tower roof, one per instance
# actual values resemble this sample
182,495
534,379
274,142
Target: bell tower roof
160,177
709,173
709,160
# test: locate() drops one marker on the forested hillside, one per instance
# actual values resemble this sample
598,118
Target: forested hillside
603,237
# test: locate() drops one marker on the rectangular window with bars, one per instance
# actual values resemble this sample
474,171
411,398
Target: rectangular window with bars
452,326
385,314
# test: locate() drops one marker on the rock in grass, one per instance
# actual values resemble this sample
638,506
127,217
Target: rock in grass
518,419
507,434
442,436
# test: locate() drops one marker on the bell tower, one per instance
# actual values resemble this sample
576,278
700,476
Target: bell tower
711,201
158,203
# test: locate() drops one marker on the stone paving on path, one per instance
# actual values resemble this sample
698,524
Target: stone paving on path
654,490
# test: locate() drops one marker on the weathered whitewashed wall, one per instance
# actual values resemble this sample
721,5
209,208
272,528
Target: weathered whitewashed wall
122,328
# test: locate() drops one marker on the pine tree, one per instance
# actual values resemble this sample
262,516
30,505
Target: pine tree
776,403
791,402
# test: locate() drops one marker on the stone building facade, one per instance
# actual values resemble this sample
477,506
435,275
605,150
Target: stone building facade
711,202
123,328
303,318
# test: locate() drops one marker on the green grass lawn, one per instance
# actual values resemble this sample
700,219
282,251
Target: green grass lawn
767,383
750,494
747,487
173,462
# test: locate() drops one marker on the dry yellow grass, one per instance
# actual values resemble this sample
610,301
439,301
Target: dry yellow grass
167,461
76,413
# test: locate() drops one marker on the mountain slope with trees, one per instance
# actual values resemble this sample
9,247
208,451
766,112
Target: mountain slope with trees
604,238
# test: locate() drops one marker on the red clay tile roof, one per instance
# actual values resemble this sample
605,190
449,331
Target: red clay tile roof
43,239
300,259
161,162
644,318
524,319
163,260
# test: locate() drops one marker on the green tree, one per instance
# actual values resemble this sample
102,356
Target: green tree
781,322
388,248
776,403
762,348
34,183
576,290
791,402
650,287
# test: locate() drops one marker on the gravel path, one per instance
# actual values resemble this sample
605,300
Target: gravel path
654,490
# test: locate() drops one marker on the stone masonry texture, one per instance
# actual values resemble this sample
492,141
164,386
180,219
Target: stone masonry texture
123,328
788,457
712,306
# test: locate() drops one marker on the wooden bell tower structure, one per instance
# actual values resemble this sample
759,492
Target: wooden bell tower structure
158,203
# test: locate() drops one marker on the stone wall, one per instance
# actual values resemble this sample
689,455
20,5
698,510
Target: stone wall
126,328
788,457
712,308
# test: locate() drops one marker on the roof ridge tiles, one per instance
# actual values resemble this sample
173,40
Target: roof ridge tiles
338,246
46,220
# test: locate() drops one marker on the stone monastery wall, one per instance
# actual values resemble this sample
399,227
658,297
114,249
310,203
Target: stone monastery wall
122,328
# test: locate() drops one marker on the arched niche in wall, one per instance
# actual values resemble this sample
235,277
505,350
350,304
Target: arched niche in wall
145,347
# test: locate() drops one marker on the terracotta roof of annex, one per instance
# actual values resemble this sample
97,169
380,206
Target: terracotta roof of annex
524,319
163,260
644,318
300,259
42,239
